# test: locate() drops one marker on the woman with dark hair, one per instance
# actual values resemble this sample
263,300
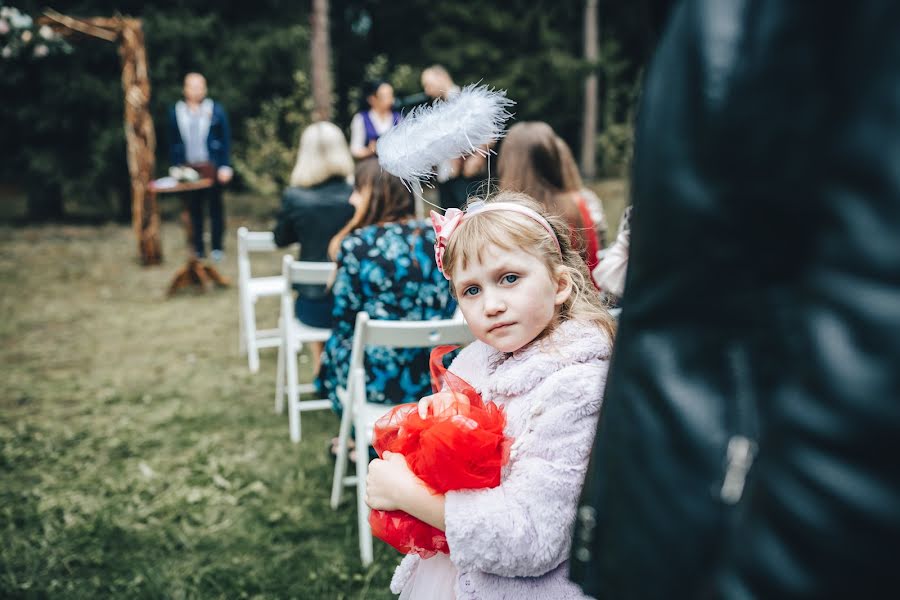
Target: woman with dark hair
386,267
573,183
531,162
374,119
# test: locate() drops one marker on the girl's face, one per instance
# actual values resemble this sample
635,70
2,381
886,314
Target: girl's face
508,297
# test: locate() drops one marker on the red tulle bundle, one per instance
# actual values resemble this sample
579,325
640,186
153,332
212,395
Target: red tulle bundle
463,447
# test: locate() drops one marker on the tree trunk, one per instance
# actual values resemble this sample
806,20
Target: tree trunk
321,61
140,140
589,118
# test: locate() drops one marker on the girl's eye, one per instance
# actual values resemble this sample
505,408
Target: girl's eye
471,290
510,278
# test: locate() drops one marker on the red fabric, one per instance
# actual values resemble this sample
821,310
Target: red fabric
461,448
591,242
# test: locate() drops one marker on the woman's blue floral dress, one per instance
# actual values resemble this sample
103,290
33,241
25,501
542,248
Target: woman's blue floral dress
388,271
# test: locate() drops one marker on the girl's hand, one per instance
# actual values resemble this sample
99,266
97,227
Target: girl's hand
442,401
389,482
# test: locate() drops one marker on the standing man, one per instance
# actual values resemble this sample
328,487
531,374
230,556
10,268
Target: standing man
459,177
200,138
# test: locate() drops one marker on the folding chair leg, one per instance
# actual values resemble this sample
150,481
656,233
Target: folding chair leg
242,327
279,378
253,357
290,363
250,336
340,465
362,509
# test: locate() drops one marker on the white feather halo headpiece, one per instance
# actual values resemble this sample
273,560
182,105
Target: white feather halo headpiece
447,129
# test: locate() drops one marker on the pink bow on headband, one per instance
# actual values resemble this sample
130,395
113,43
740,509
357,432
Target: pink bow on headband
444,226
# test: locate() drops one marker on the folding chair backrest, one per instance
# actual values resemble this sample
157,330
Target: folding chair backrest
258,241
305,272
301,272
405,334
415,334
252,241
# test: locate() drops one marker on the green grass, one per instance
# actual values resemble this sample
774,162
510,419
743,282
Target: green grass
138,456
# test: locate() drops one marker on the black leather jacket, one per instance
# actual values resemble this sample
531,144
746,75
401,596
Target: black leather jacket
312,216
749,444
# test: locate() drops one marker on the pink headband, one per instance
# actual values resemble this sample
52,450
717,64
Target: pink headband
446,224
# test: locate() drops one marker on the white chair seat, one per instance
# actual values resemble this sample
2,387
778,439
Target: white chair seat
304,333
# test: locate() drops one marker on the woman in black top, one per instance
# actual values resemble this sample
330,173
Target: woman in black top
314,208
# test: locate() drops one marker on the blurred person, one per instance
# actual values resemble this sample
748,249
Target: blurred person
200,137
749,442
313,209
386,267
457,178
530,161
609,274
373,121
572,182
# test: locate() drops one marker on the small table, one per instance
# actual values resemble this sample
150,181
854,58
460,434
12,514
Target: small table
195,273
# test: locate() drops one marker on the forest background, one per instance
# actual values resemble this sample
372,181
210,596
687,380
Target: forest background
63,150
139,457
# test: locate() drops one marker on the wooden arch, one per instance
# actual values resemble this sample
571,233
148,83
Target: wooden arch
140,138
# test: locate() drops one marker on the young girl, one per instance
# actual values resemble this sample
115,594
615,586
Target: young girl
543,344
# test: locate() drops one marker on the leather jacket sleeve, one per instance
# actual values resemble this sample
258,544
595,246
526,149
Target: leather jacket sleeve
749,444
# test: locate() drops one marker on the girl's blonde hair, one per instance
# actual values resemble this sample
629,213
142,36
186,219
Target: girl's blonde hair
517,232
323,154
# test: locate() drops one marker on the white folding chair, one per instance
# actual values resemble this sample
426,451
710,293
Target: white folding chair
251,289
362,414
293,335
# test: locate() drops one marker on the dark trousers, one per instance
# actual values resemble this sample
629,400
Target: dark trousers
196,202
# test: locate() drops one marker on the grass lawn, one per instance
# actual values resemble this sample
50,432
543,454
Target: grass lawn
138,456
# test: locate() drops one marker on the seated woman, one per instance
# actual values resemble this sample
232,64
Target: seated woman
530,162
313,210
386,267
